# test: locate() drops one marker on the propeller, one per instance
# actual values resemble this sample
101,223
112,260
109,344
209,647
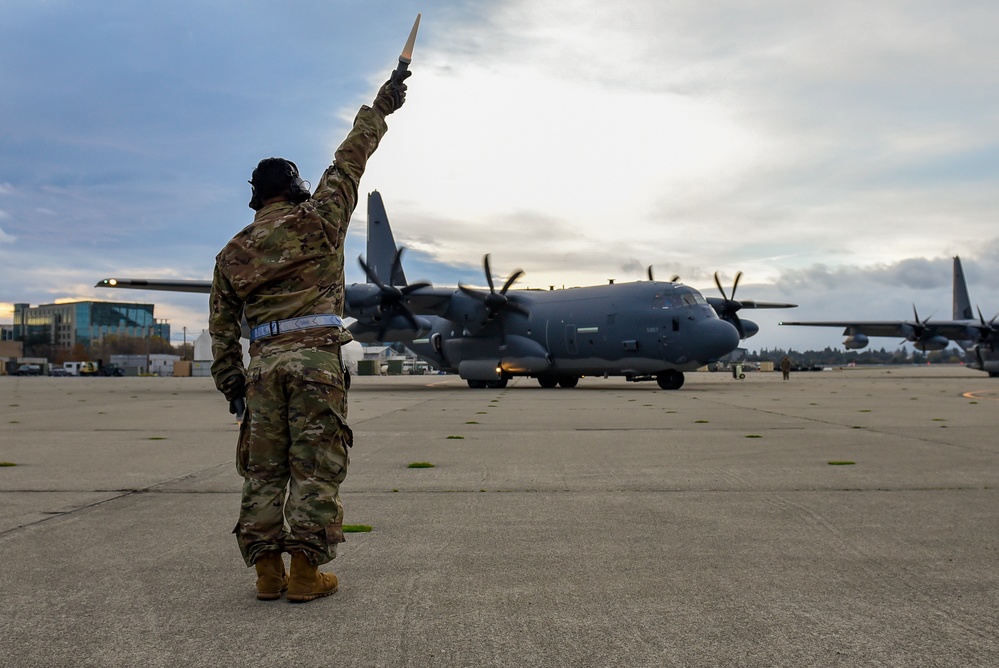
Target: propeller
727,308
389,299
496,302
919,327
987,328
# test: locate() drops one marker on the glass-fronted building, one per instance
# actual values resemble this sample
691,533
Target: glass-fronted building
84,323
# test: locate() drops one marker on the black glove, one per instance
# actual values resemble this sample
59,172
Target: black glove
392,94
237,407
234,390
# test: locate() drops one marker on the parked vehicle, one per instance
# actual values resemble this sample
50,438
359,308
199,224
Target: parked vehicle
89,368
29,370
56,371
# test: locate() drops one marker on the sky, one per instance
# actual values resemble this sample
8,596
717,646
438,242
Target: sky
838,154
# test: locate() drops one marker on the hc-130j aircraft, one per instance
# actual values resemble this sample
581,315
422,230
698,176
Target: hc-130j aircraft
643,330
977,337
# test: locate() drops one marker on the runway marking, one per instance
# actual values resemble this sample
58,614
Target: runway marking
982,394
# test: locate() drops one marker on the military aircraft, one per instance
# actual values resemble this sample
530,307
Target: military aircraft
976,336
643,330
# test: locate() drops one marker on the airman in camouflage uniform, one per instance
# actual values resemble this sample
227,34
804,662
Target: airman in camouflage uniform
284,273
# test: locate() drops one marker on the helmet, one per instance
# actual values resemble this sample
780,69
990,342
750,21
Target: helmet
277,177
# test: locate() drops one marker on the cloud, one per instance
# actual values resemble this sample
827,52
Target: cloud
837,154
4,237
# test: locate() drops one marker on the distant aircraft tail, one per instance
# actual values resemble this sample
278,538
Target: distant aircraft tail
962,303
381,249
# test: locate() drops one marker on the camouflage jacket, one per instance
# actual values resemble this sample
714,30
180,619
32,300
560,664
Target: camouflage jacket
289,261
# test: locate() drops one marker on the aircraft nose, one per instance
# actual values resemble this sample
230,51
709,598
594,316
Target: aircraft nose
715,339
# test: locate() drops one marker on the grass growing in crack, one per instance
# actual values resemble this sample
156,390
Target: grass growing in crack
356,528
7,464
458,438
841,463
421,465
753,436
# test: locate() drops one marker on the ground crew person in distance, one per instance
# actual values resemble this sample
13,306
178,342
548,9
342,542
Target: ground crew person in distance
284,272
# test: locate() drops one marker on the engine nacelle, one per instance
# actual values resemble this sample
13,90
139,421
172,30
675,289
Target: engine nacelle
856,341
932,343
398,328
749,328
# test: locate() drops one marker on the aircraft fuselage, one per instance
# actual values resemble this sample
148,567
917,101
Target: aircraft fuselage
638,330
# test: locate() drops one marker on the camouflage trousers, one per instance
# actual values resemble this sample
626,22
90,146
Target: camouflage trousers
292,454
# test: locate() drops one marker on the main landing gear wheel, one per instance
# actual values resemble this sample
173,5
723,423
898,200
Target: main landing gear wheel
568,382
491,384
547,381
670,380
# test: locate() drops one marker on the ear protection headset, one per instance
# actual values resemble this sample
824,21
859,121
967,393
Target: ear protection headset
277,176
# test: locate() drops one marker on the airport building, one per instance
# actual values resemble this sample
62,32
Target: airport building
85,323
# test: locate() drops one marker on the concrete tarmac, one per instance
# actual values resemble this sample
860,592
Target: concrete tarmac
842,518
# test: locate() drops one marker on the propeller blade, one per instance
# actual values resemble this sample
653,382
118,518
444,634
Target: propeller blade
369,272
489,275
651,278
735,284
517,273
471,292
720,288
411,319
674,278
518,308
412,287
396,263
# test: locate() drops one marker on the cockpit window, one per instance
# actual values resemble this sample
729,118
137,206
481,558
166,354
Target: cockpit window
663,300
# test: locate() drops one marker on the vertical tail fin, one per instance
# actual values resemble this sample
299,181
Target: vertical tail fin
962,303
381,244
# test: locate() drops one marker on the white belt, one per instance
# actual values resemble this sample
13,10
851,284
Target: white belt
276,327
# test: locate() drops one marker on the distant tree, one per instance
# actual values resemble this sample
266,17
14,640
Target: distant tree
186,351
133,345
830,357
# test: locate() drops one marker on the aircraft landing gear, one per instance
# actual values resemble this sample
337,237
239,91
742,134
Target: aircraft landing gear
491,384
670,380
561,381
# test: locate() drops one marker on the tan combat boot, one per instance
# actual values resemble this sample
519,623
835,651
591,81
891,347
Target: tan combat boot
306,582
271,576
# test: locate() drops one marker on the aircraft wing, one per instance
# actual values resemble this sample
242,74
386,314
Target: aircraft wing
203,287
950,329
750,303
869,328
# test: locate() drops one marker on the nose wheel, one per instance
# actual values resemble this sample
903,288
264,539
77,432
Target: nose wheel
670,380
